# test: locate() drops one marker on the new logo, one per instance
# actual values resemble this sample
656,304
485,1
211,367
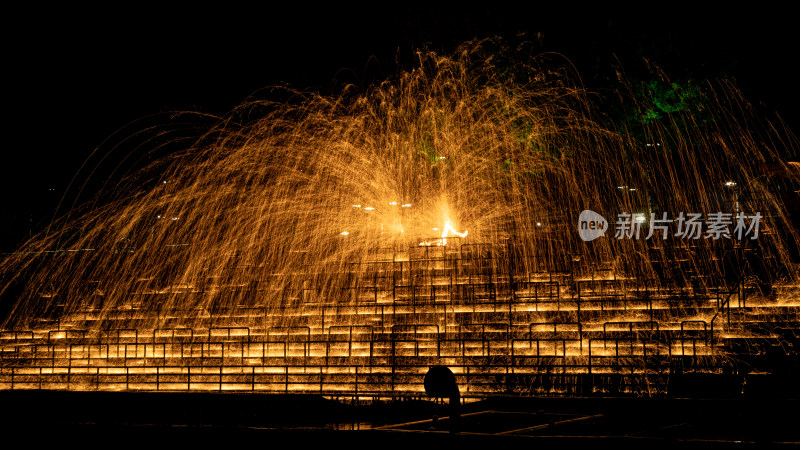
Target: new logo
591,225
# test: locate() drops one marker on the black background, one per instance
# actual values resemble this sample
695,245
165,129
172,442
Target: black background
73,77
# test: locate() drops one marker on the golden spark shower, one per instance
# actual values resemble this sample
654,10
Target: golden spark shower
343,244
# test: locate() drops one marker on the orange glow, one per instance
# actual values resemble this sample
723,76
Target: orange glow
294,260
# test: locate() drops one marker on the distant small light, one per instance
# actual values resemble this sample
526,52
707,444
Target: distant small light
392,203
538,224
369,208
639,218
174,218
730,183
158,217
344,233
356,206
622,187
407,205
632,189
443,157
435,229
165,182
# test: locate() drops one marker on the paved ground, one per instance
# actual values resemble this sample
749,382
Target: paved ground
140,419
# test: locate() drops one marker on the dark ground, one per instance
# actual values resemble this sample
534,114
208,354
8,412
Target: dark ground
138,419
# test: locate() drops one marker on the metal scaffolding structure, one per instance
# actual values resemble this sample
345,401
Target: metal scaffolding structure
503,324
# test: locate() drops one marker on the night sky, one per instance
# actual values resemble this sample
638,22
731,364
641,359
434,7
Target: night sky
72,81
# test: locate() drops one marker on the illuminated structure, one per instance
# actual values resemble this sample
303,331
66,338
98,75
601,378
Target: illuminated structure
501,325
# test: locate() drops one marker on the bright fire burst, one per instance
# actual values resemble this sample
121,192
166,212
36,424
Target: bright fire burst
448,227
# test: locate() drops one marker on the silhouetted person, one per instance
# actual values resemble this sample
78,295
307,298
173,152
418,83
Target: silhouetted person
440,382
